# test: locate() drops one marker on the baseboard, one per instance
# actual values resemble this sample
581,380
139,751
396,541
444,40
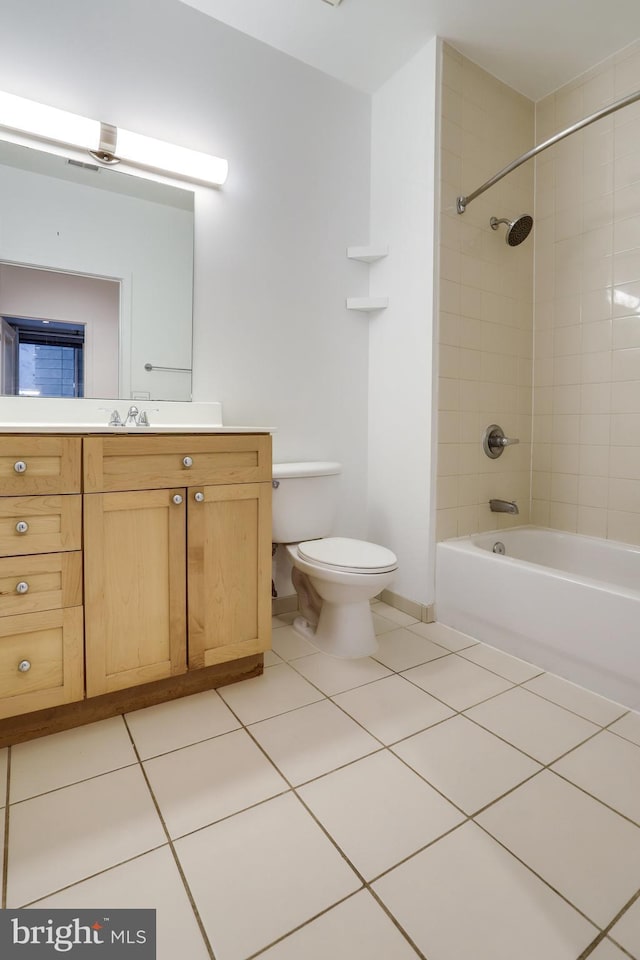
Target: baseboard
420,611
284,605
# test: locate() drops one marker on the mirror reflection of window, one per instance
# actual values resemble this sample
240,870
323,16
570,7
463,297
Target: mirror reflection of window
79,339
42,358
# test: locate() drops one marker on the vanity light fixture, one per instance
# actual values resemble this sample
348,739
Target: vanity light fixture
106,143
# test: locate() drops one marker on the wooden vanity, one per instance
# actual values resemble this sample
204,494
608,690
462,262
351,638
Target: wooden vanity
133,569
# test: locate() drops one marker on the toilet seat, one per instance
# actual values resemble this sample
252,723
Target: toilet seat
352,556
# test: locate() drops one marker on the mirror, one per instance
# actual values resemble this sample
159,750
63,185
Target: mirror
96,280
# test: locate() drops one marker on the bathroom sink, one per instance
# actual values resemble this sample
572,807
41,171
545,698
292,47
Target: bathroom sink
43,415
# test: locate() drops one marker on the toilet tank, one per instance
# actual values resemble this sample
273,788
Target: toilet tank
305,500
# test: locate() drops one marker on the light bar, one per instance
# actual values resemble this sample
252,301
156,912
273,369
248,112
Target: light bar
107,143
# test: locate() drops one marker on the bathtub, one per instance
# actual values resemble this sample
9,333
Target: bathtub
566,603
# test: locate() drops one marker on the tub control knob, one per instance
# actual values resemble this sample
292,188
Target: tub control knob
19,466
22,526
24,666
494,441
22,587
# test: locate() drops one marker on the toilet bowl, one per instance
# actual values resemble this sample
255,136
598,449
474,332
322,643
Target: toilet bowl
345,574
334,577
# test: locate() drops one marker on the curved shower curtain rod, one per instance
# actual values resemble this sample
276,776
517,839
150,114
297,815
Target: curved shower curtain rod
461,203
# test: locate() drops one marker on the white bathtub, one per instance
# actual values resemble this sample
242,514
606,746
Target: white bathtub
567,603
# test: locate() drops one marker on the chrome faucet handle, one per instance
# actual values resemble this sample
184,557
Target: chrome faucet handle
143,418
114,420
494,441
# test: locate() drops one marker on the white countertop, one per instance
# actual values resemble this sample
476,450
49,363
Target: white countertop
140,431
39,415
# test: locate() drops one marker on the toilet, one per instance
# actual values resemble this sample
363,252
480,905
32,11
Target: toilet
334,577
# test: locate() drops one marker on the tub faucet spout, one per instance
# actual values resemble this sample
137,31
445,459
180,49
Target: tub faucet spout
504,506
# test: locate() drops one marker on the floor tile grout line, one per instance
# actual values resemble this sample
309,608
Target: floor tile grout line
539,876
91,876
569,709
332,840
543,766
5,845
304,924
185,746
635,823
609,930
396,923
174,854
520,683
74,783
606,930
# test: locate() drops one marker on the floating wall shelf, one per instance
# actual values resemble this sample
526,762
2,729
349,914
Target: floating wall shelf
367,304
367,254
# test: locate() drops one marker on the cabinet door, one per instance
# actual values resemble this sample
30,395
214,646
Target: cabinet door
135,588
229,582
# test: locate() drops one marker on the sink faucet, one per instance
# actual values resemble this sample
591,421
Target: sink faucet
132,416
504,506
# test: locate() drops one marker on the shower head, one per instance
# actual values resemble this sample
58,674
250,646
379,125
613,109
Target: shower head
517,230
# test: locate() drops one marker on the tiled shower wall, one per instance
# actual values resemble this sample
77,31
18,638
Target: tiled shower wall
586,453
485,338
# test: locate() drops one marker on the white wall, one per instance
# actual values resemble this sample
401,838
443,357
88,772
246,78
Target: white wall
403,189
272,338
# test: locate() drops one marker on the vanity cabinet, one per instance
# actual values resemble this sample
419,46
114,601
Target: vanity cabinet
177,534
133,569
41,616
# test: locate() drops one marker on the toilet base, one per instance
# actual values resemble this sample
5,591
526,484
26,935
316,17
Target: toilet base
344,630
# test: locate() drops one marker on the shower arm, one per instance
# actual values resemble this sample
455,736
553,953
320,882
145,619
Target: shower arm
462,202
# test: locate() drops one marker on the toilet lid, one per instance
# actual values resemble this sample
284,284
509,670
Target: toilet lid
357,556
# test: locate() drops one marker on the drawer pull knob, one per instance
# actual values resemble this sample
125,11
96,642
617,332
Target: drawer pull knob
19,466
199,497
177,499
22,587
22,526
187,462
24,666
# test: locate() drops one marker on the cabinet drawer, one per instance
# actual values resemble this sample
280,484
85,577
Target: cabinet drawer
155,462
48,646
36,465
46,582
31,525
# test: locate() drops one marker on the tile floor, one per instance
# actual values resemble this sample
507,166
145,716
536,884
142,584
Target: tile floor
440,800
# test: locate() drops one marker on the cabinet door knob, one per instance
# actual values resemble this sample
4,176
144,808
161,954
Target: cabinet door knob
177,498
199,497
24,666
19,466
22,587
187,462
22,526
